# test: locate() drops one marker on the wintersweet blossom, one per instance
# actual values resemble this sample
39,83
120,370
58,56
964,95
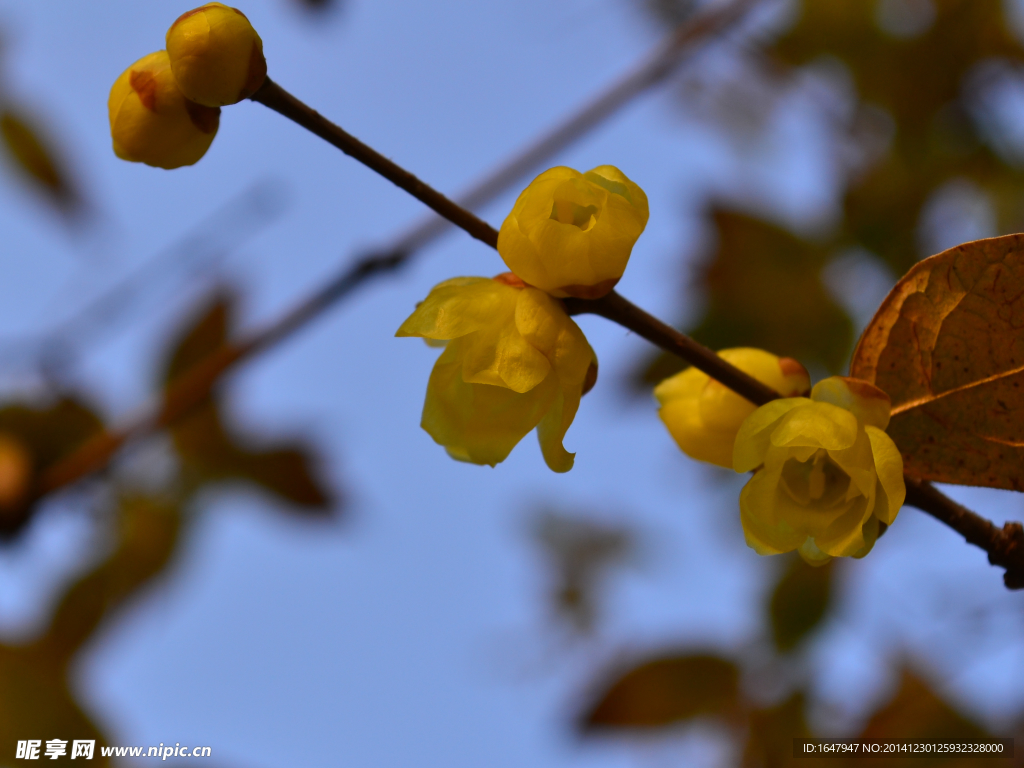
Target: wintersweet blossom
825,473
571,233
216,55
152,122
513,360
703,416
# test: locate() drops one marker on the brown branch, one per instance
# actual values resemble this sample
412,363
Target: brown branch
278,99
622,311
1005,546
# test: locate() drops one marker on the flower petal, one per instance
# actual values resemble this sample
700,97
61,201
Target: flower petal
693,437
767,529
722,408
459,307
819,424
685,385
889,467
480,423
811,554
552,428
867,402
499,355
543,322
755,433
845,532
858,462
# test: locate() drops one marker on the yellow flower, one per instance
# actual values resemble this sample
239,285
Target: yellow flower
216,55
571,233
514,361
704,416
151,121
826,472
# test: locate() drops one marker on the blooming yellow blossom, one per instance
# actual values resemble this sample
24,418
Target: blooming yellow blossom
826,474
514,360
216,55
151,121
571,233
703,416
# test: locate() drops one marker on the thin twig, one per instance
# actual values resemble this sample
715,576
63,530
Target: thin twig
619,310
278,99
1005,546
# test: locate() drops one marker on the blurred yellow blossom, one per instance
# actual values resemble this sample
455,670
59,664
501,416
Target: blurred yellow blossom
514,360
571,233
826,474
216,55
703,416
151,121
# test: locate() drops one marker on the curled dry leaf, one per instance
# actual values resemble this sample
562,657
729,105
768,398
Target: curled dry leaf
947,346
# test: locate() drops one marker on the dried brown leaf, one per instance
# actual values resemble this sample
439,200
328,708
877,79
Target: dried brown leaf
35,698
146,537
665,691
917,712
947,347
36,160
36,703
770,736
211,451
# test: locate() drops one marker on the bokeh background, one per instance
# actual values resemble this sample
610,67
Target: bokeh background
298,575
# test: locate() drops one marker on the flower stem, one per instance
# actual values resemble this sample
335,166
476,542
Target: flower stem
1005,546
622,311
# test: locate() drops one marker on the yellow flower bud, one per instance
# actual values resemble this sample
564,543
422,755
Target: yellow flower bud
826,474
216,55
704,416
514,361
151,121
571,233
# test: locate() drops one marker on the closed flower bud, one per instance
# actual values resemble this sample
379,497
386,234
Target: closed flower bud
514,360
571,233
704,416
216,55
151,121
826,474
